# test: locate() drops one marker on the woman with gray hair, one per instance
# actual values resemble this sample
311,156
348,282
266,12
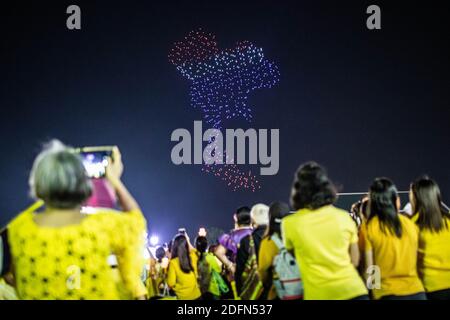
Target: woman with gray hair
61,253
58,177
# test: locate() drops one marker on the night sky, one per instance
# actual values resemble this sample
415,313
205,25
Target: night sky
362,103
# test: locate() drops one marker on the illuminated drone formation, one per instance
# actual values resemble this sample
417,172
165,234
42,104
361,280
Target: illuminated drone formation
221,81
232,175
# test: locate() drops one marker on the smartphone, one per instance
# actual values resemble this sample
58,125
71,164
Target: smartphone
95,160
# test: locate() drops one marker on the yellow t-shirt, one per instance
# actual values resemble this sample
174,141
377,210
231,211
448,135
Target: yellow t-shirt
71,262
267,252
434,258
321,240
396,258
184,284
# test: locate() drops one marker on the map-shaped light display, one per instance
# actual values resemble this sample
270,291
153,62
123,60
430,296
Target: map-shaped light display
221,82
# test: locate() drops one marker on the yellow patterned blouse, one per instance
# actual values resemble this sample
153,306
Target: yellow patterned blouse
71,262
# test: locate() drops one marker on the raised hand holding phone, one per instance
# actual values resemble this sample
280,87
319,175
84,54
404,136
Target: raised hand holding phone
115,167
114,172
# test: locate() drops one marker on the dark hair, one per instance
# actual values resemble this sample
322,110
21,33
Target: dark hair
180,250
201,244
311,188
160,253
277,211
383,204
427,204
243,216
204,274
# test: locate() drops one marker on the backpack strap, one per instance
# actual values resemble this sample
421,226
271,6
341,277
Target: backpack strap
275,238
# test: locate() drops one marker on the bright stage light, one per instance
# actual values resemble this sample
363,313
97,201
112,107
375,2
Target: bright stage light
154,240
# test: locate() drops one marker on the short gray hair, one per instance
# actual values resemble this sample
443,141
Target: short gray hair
58,177
260,214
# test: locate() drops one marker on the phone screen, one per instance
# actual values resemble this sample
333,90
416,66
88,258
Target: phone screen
95,163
